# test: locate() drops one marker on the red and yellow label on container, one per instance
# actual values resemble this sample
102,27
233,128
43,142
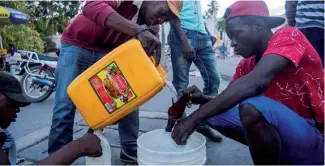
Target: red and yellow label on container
112,88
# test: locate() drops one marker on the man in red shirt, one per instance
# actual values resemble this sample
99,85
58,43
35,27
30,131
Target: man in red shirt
275,103
101,27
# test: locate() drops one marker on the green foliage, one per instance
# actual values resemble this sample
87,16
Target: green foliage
18,5
47,18
50,17
23,37
213,8
221,25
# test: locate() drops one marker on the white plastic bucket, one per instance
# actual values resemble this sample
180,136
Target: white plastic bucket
157,148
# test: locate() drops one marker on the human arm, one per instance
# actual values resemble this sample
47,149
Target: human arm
284,50
252,84
3,156
187,49
104,14
290,11
87,145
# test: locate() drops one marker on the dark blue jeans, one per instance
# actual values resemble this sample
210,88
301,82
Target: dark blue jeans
205,62
73,60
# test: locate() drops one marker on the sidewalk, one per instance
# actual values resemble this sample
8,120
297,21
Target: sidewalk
227,67
153,115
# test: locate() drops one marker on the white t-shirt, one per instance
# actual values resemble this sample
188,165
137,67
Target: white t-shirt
13,59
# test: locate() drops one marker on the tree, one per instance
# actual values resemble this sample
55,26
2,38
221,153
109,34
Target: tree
18,5
50,17
213,8
22,36
221,25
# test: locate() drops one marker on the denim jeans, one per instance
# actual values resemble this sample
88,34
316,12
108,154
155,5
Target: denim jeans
73,60
205,62
301,142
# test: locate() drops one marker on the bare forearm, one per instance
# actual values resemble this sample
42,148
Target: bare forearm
119,23
290,10
206,99
179,31
254,83
64,156
234,94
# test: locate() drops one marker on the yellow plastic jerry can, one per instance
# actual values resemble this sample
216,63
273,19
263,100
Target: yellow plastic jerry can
116,85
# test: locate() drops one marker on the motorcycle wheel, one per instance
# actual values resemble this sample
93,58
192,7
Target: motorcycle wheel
26,82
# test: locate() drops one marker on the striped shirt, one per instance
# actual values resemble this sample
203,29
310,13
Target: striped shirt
310,14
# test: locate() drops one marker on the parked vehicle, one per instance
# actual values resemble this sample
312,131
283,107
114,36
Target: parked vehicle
37,78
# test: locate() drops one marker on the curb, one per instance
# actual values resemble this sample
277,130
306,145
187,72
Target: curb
42,134
32,138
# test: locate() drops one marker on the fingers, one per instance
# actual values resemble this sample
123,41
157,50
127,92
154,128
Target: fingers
146,47
195,95
190,90
99,152
158,53
183,138
151,45
176,136
90,131
179,135
152,48
146,44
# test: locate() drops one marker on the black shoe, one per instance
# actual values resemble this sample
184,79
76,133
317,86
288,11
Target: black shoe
128,157
207,132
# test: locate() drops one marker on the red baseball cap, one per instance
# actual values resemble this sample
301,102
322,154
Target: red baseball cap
252,8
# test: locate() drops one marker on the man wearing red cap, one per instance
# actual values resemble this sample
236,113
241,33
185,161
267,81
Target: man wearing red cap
101,27
275,102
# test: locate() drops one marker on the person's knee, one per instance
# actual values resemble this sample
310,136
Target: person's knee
248,114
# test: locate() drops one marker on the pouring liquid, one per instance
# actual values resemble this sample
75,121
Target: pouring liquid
176,111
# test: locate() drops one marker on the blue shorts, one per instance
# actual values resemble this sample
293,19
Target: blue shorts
302,143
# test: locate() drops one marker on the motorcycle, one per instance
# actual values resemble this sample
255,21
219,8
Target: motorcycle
37,78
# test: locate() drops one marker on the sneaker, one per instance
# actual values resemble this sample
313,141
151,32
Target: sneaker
128,158
208,133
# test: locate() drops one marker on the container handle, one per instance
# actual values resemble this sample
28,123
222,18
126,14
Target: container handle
153,60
